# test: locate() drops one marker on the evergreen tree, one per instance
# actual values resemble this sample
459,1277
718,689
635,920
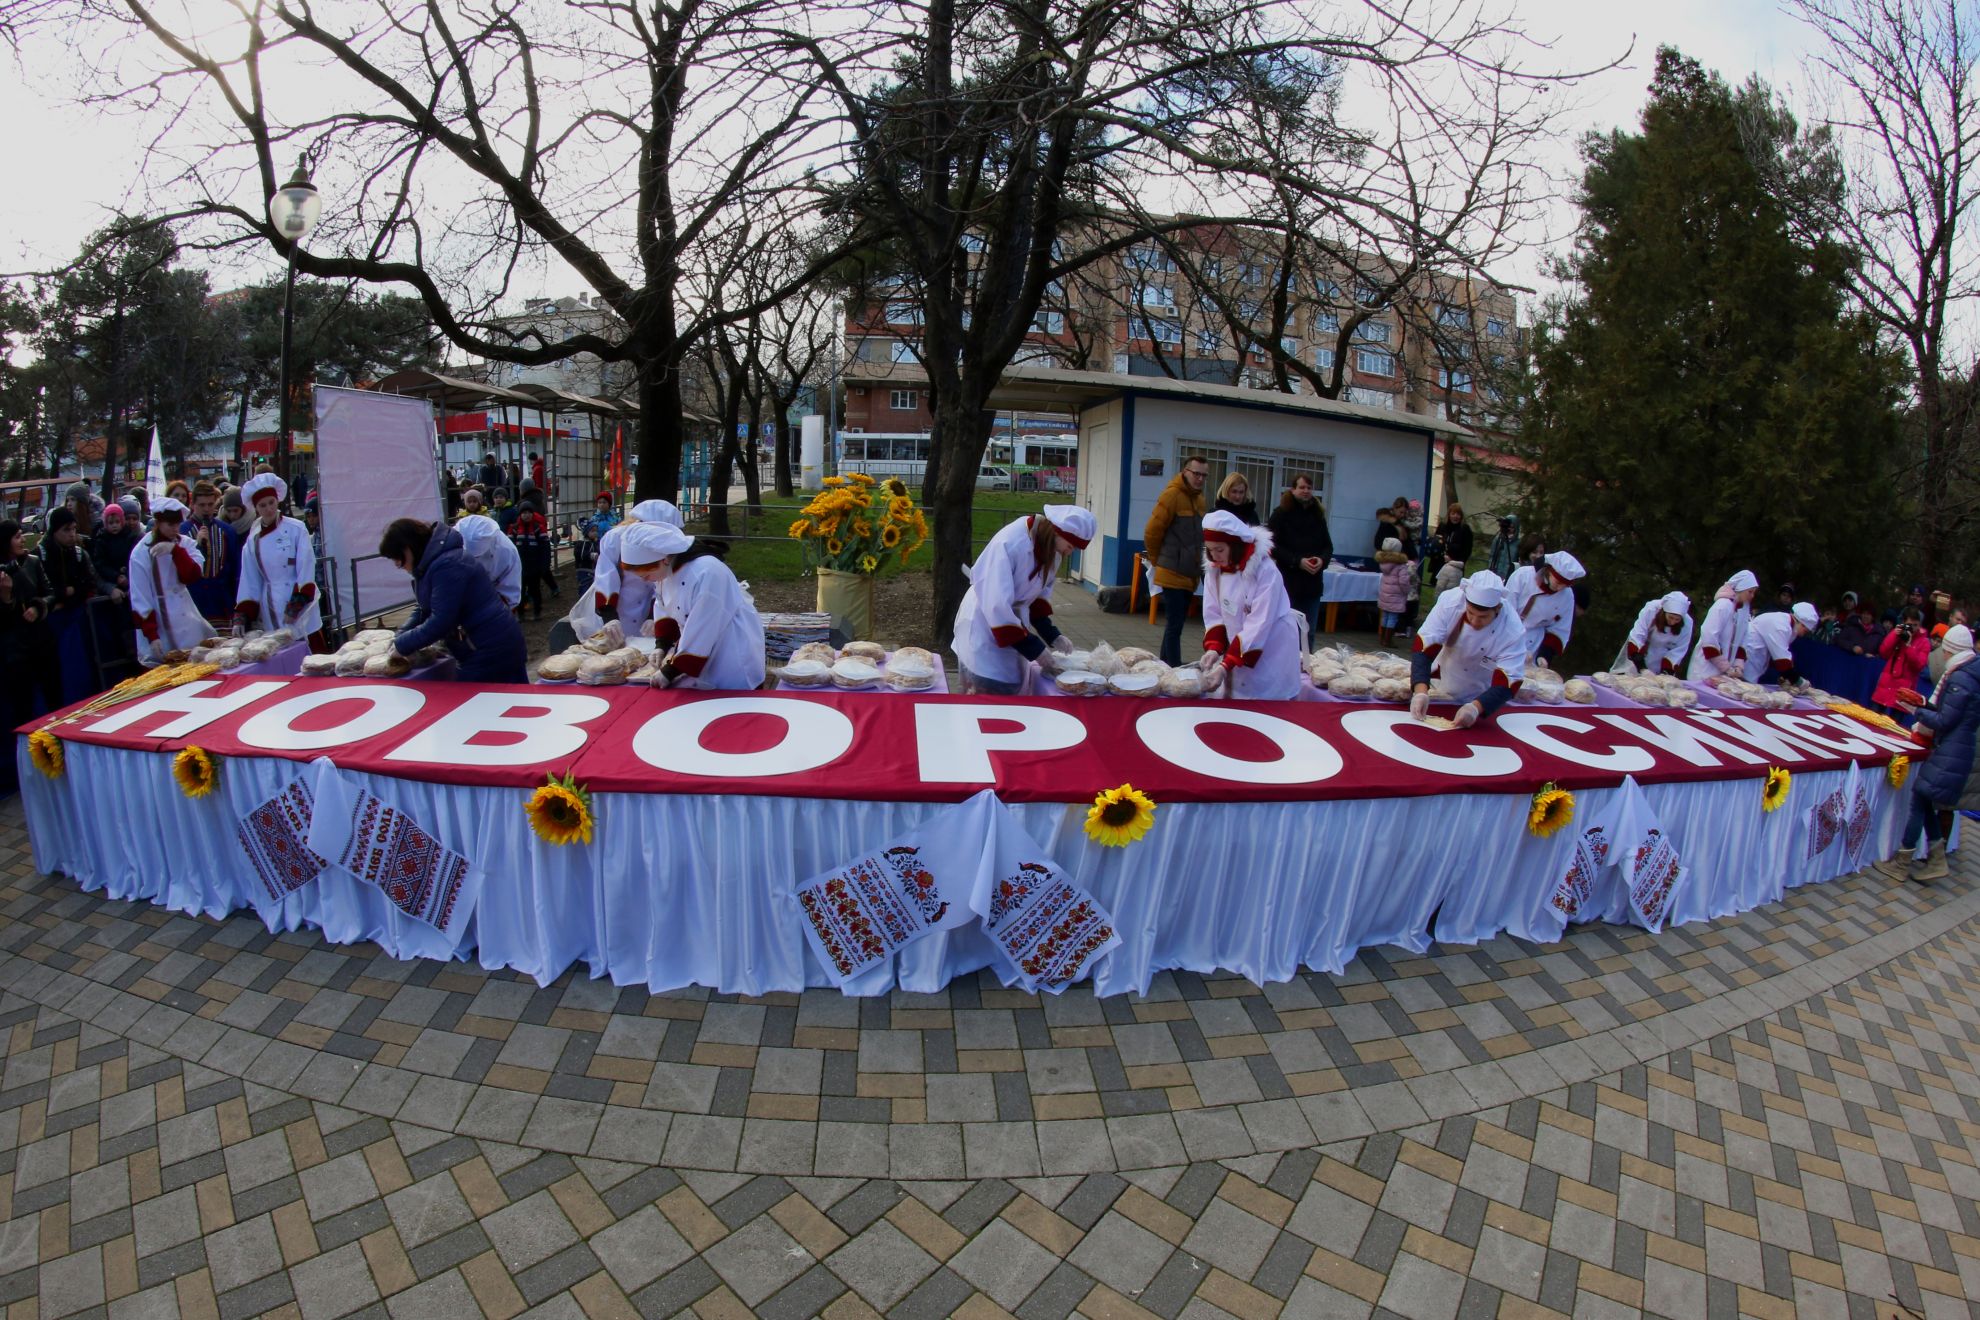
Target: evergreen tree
1704,401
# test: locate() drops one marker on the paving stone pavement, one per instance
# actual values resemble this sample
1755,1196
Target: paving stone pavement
1775,1114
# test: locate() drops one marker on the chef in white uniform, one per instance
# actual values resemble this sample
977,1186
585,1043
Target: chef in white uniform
1770,641
1474,642
163,564
1005,619
1543,602
629,599
1250,628
489,548
1661,636
1722,637
278,568
715,634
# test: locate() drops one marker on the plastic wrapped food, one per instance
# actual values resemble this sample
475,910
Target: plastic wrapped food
644,675
1081,683
319,666
1547,694
822,652
1579,691
1102,661
909,676
560,668
1390,689
912,655
871,652
255,652
629,658
1603,679
804,674
1394,667
1150,666
1351,685
429,655
370,635
1133,685
1134,655
600,671
1683,697
387,666
351,663
1181,683
282,637
606,640
853,672
199,655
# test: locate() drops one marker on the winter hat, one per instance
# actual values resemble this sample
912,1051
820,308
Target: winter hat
1074,523
1566,567
645,544
1484,589
655,511
233,499
1805,615
1392,545
59,519
132,509
76,491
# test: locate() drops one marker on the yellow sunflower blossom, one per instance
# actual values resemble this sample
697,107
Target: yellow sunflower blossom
195,772
1898,771
900,507
801,527
890,536
1552,809
559,811
863,501
1776,790
862,478
45,750
829,526
835,481
835,546
868,563
1119,816
896,487
862,528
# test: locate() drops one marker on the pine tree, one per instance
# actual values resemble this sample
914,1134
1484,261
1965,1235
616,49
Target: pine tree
1704,401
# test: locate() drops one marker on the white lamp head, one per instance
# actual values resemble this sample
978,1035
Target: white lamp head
296,205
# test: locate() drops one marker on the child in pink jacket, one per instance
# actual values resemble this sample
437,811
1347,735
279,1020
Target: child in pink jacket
1392,596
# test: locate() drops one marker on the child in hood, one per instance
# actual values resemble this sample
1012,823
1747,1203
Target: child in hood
1398,572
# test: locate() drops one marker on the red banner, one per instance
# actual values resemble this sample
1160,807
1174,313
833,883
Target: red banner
942,748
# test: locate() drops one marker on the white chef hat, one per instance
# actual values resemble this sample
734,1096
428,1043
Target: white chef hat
1223,525
1675,603
1566,567
1805,615
645,543
1072,522
1483,588
655,511
477,529
1743,581
265,481
168,507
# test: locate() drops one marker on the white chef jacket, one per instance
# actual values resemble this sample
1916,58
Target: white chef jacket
491,550
1539,613
1723,633
1257,617
274,563
1656,644
1470,659
157,593
1769,639
634,594
719,626
1005,584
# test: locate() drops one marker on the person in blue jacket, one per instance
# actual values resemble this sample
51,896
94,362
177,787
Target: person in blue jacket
1951,718
457,604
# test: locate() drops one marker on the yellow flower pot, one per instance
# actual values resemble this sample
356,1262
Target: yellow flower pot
848,598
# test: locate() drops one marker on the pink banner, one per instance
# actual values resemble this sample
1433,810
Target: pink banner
927,748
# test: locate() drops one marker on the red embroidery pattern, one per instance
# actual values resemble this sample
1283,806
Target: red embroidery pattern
1591,853
1654,873
418,874
865,912
1859,823
1825,821
1048,927
275,838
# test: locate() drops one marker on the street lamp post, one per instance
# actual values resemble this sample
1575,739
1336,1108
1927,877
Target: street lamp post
293,210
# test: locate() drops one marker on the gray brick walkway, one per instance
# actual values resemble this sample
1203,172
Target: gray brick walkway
1770,1115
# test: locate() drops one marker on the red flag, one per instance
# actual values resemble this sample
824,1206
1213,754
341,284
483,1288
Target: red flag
615,465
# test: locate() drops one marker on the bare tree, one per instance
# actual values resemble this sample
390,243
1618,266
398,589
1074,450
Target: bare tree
1905,114
462,143
1001,147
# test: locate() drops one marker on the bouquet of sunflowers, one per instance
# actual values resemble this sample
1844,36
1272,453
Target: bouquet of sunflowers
858,525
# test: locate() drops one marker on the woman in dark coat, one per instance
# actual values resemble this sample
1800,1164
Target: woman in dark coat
1456,535
28,655
1234,497
1951,718
1302,548
457,604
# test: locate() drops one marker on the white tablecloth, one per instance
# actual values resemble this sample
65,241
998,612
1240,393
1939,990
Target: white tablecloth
1349,585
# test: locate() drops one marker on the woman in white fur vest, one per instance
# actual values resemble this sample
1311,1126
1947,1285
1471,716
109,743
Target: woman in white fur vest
1250,628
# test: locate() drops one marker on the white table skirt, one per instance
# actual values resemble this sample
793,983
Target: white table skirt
688,889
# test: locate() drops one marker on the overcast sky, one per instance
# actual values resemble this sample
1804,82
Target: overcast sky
69,171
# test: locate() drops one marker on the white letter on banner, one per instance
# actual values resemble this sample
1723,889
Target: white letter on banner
1818,733
1376,730
1885,740
955,747
386,707
1530,728
550,731
1682,739
1174,734
198,711
1754,732
814,735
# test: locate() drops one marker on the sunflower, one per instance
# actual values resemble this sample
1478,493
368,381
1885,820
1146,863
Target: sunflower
801,527
835,546
45,750
868,563
560,811
196,772
862,528
1119,816
835,481
896,487
862,478
890,536
1898,771
1776,790
900,507
1552,809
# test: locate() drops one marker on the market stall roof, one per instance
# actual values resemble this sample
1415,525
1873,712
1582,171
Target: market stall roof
566,401
450,391
1055,389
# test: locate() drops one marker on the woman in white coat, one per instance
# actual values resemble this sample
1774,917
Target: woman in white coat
614,594
1476,645
1722,637
1542,599
712,635
1660,638
1250,627
489,549
1005,619
162,566
278,568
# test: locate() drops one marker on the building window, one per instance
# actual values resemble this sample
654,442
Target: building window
1367,294
973,243
1289,346
1368,398
904,352
1374,362
1209,343
1372,332
1251,273
1160,332
1496,326
1157,295
1213,270
1327,289
1457,381
1326,323
903,313
1323,358
1152,258
904,400
1049,323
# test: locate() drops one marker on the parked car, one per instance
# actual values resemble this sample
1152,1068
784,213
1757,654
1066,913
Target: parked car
989,477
